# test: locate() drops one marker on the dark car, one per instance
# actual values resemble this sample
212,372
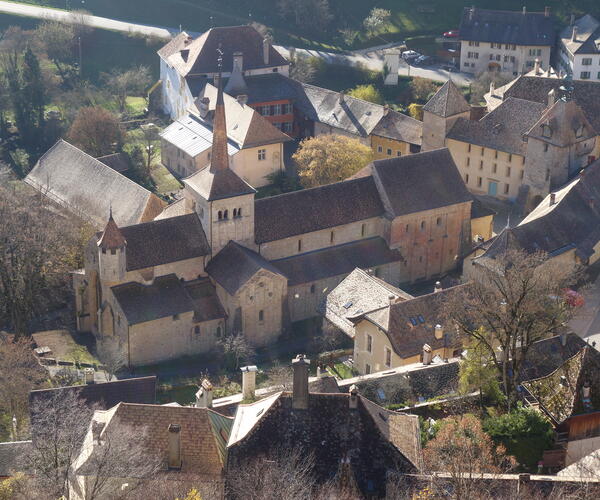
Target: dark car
422,60
451,34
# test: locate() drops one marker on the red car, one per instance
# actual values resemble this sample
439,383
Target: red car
451,34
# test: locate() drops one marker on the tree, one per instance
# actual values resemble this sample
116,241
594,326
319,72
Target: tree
310,15
513,303
38,247
330,158
423,88
151,139
462,450
58,41
301,67
19,373
416,111
124,83
236,348
112,356
366,93
376,19
279,377
481,85
96,131
137,168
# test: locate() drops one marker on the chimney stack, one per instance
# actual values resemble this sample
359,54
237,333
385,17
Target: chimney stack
242,99
574,35
353,397
391,299
471,13
551,98
266,50
427,354
547,11
342,97
492,87
203,107
300,391
238,62
563,339
552,198
572,20
439,332
88,373
524,10
438,287
386,109
536,66
204,395
248,381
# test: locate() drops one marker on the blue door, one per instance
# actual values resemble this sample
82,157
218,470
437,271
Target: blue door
492,188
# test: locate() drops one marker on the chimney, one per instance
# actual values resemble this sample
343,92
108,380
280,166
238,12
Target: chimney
574,35
342,97
572,20
438,287
552,198
471,12
238,62
536,66
492,87
353,397
242,99
97,428
266,50
184,54
551,98
300,391
203,107
204,395
386,109
391,299
547,11
174,446
524,10
563,339
439,332
88,373
427,354
248,381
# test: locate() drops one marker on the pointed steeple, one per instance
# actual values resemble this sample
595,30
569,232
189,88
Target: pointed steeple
220,157
112,237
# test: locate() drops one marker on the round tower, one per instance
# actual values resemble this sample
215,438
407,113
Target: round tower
112,253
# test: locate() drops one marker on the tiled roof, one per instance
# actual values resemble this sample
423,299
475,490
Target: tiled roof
360,292
116,161
447,101
174,45
218,185
207,306
271,87
308,210
410,324
403,181
202,57
536,88
400,127
13,457
89,188
502,26
164,241
111,238
235,264
337,260
502,129
587,40
478,209
376,440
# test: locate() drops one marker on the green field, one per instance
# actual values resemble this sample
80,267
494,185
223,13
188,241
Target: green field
409,17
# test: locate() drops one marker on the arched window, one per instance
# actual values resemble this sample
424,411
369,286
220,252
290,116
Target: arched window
235,212
363,230
312,288
197,330
422,225
220,215
239,212
299,245
226,214
332,237
261,315
439,221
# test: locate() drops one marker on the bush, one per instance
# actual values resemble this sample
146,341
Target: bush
525,433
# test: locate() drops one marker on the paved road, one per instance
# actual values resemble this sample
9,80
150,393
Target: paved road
586,323
370,58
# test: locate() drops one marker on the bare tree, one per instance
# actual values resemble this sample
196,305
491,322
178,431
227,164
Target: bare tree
96,131
236,348
288,474
279,377
58,41
124,83
112,356
515,301
302,67
150,135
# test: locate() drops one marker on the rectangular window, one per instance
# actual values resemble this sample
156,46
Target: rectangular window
482,151
389,151
469,148
468,161
494,168
507,171
512,59
287,127
332,237
379,149
586,61
398,153
175,317
262,154
367,368
478,181
521,174
545,147
506,59
276,109
388,357
481,165
466,178
585,75
506,188
369,343
510,157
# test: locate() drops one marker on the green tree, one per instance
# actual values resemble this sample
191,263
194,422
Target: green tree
330,158
366,93
416,111
423,88
122,84
376,20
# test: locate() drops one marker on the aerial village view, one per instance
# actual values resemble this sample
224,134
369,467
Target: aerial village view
299,249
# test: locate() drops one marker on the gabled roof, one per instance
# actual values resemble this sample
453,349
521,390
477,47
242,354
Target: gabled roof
235,265
202,55
399,127
501,129
116,161
447,101
402,181
359,293
502,26
218,185
164,241
587,40
322,207
336,261
89,188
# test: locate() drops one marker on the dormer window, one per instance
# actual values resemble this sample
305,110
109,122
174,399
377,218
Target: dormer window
546,131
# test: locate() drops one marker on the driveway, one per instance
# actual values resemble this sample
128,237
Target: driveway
586,323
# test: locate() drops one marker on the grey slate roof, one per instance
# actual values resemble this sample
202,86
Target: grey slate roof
224,183
235,264
308,210
336,261
164,241
13,457
447,101
587,40
502,26
400,127
502,129
116,161
271,87
89,188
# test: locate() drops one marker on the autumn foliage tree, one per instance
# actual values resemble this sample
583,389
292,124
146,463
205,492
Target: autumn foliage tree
96,131
330,158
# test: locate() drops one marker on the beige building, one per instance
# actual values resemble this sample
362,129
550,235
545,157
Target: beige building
504,41
219,262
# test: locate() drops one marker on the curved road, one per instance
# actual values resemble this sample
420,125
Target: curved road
370,58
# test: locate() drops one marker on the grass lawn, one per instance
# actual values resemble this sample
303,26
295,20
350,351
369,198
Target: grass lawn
164,180
64,346
408,17
341,370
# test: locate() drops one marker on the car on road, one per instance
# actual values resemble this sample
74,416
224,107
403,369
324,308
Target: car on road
451,34
410,55
422,60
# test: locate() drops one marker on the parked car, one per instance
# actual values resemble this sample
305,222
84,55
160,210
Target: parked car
410,55
422,60
451,34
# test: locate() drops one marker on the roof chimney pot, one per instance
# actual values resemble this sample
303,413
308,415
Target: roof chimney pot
547,11
300,391
574,35
204,395
552,198
524,10
266,50
439,332
427,354
248,381
88,373
353,397
438,287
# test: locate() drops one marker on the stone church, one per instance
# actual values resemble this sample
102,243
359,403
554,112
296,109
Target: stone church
220,262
